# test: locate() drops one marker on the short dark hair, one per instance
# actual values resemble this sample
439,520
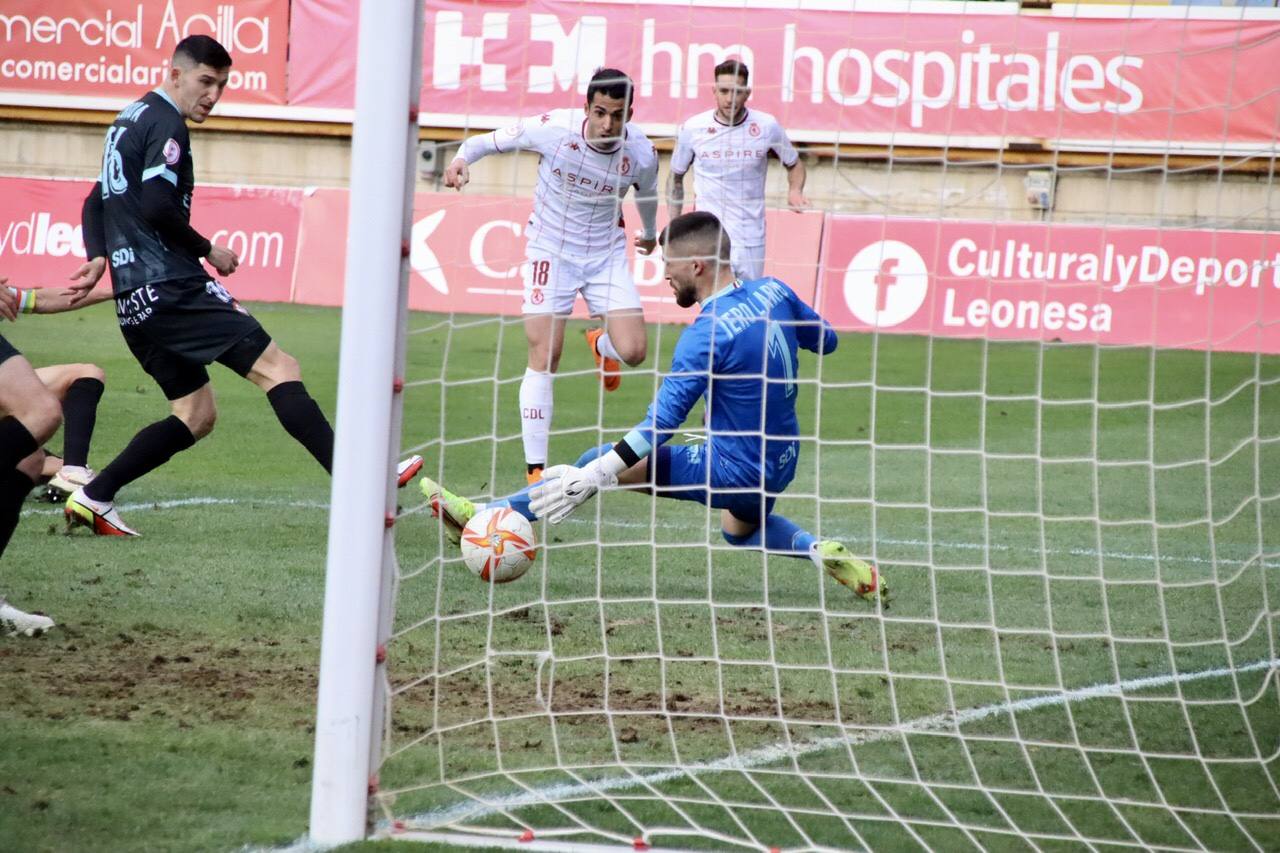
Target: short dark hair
700,226
611,83
202,50
736,67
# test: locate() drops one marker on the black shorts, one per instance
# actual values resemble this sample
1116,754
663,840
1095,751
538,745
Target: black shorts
7,350
176,328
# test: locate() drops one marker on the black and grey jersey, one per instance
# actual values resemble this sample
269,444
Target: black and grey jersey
148,141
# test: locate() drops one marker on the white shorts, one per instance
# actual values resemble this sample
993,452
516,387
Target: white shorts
552,282
747,261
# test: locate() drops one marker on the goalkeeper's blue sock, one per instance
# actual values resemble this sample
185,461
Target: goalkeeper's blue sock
780,534
520,500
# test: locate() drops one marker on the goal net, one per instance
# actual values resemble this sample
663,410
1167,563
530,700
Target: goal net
1049,243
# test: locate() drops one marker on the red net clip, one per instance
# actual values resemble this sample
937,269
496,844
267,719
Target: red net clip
404,248
390,521
640,843
373,785
381,654
397,384
526,836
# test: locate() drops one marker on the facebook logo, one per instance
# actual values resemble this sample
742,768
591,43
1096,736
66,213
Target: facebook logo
886,283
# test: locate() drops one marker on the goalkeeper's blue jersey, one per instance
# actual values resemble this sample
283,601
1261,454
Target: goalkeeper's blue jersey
740,353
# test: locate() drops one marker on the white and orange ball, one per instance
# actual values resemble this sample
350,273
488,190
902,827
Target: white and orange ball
498,544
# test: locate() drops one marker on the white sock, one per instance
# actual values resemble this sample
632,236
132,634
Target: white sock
605,347
535,415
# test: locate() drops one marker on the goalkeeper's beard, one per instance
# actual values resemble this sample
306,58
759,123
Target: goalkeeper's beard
686,294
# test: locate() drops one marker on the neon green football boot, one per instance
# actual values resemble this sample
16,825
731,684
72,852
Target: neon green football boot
454,512
859,575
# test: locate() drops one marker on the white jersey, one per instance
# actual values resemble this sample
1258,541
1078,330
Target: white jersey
577,203
730,164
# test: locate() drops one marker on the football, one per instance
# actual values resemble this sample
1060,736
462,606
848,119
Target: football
498,545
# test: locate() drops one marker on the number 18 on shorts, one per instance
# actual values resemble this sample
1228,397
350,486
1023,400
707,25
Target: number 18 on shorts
551,284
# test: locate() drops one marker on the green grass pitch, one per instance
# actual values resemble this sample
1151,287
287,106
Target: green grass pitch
1050,519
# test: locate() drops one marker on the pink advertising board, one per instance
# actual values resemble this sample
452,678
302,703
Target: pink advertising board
1167,287
940,72
120,48
466,252
1163,287
41,242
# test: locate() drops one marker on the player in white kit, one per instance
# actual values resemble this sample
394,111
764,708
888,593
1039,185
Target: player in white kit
577,238
729,147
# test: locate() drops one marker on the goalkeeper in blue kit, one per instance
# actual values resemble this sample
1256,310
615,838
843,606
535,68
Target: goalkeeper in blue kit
740,353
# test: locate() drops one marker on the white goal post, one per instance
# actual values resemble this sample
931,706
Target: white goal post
1080,519
360,569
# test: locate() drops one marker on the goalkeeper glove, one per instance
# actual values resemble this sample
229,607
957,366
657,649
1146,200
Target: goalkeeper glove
564,488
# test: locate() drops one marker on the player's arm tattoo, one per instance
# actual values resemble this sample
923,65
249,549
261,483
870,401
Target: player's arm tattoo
675,195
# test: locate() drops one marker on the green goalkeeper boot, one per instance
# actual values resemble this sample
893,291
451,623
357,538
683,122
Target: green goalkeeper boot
859,575
454,512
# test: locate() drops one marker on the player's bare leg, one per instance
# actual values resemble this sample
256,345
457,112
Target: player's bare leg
198,410
29,416
622,339
545,336
29,412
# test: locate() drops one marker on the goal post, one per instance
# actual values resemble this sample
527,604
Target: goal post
1053,421
359,574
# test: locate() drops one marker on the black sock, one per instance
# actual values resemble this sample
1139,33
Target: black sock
16,443
79,414
14,486
301,417
153,446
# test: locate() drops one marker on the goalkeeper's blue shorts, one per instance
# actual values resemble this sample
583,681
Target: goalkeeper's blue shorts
682,473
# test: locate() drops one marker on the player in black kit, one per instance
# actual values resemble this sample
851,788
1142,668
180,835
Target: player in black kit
176,319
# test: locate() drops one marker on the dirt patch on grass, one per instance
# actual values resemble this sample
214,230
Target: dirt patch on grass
147,673
529,684
151,673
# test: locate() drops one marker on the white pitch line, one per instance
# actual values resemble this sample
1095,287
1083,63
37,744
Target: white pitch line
771,754
774,753
180,503
1090,553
